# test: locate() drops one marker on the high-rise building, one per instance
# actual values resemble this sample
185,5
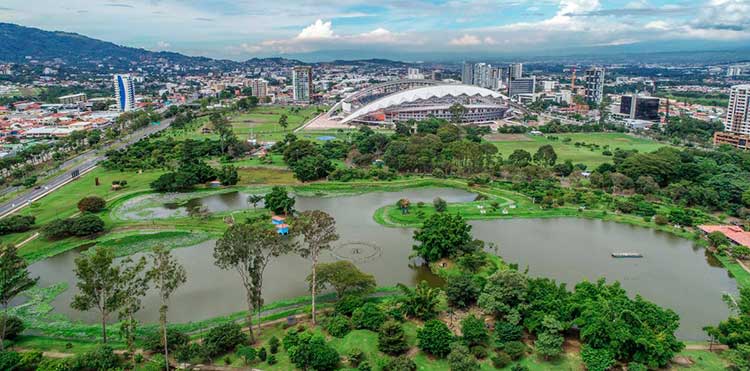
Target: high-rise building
524,85
640,107
467,74
302,82
595,84
734,71
515,71
124,92
414,74
738,111
437,75
259,88
483,75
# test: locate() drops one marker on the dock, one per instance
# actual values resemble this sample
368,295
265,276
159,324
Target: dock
627,255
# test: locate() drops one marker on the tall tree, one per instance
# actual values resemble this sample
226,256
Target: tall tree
14,279
135,285
99,285
344,277
222,127
318,230
248,248
284,121
167,275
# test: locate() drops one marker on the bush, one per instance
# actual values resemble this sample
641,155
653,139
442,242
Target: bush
100,358
435,338
291,338
223,338
440,204
262,354
271,359
356,357
30,360
175,339
392,339
519,367
247,353
401,363
460,359
52,364
474,331
312,352
348,304
16,224
515,349
273,344
635,366
462,290
368,317
82,226
501,360
9,360
506,331
338,326
364,366
156,363
91,204
193,353
13,327
597,359
479,351
660,219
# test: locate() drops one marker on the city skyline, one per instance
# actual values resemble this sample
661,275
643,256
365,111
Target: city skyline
240,30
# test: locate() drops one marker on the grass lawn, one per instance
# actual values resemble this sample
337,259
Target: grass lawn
568,151
265,175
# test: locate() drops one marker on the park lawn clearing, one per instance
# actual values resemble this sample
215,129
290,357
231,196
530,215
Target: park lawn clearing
265,175
569,151
263,121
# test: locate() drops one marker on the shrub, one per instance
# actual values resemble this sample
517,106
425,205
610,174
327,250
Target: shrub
440,204
52,364
635,366
271,359
460,359
368,317
82,226
348,304
462,290
519,367
392,339
223,338
435,338
364,366
13,327
156,363
193,353
338,326
291,338
100,358
16,224
312,352
474,331
400,363
660,219
9,360
175,339
506,331
515,349
273,344
262,354
597,359
91,204
479,351
356,357
247,353
501,360
30,360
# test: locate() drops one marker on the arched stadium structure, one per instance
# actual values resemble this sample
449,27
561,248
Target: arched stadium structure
374,92
481,105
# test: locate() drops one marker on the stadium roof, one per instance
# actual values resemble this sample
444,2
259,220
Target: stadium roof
427,92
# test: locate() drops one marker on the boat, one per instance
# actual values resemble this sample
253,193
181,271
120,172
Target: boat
627,255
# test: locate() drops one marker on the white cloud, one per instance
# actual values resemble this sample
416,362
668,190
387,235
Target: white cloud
163,45
657,25
466,40
317,30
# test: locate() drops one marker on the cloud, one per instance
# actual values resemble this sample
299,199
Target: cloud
163,45
317,30
119,5
203,19
466,40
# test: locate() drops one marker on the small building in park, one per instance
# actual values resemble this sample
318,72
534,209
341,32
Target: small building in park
734,233
282,229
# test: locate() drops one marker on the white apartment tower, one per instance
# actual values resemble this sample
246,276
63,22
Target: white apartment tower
738,111
483,76
302,82
259,87
124,92
515,71
467,74
595,84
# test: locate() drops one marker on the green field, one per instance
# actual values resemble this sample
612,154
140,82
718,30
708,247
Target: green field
506,144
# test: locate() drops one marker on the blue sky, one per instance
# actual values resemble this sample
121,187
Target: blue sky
239,29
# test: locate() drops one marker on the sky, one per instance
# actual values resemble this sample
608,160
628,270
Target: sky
241,29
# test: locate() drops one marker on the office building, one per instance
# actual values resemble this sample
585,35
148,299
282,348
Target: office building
515,71
595,85
259,88
738,114
124,92
734,71
73,99
437,75
639,107
483,76
467,74
525,85
739,141
302,83
414,74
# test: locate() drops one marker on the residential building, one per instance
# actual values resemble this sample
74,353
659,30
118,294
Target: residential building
302,82
740,141
483,76
437,75
738,111
259,88
734,71
640,107
525,85
414,74
515,71
73,98
595,85
467,74
124,92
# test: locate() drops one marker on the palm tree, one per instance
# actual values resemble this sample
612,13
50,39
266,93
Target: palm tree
420,302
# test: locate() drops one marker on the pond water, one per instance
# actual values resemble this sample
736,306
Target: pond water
673,272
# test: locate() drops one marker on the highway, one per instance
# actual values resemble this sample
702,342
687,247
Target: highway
86,161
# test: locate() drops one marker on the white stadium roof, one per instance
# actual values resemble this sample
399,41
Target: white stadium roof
427,92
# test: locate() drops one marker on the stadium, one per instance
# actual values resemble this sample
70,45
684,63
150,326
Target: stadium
404,100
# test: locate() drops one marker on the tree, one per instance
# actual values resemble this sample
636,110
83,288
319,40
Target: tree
462,290
457,112
278,201
441,236
134,287
474,331
254,199
460,359
400,363
167,275
318,230
222,126
312,352
519,158
392,339
504,294
545,155
248,248
435,338
368,317
14,279
284,121
549,344
311,168
344,277
100,285
91,204
440,204
597,359
421,302
228,175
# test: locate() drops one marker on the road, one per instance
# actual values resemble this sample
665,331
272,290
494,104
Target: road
86,161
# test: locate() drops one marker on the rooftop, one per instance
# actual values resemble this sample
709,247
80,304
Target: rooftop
734,233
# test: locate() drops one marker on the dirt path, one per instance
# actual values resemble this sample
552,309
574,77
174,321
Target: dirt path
714,347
